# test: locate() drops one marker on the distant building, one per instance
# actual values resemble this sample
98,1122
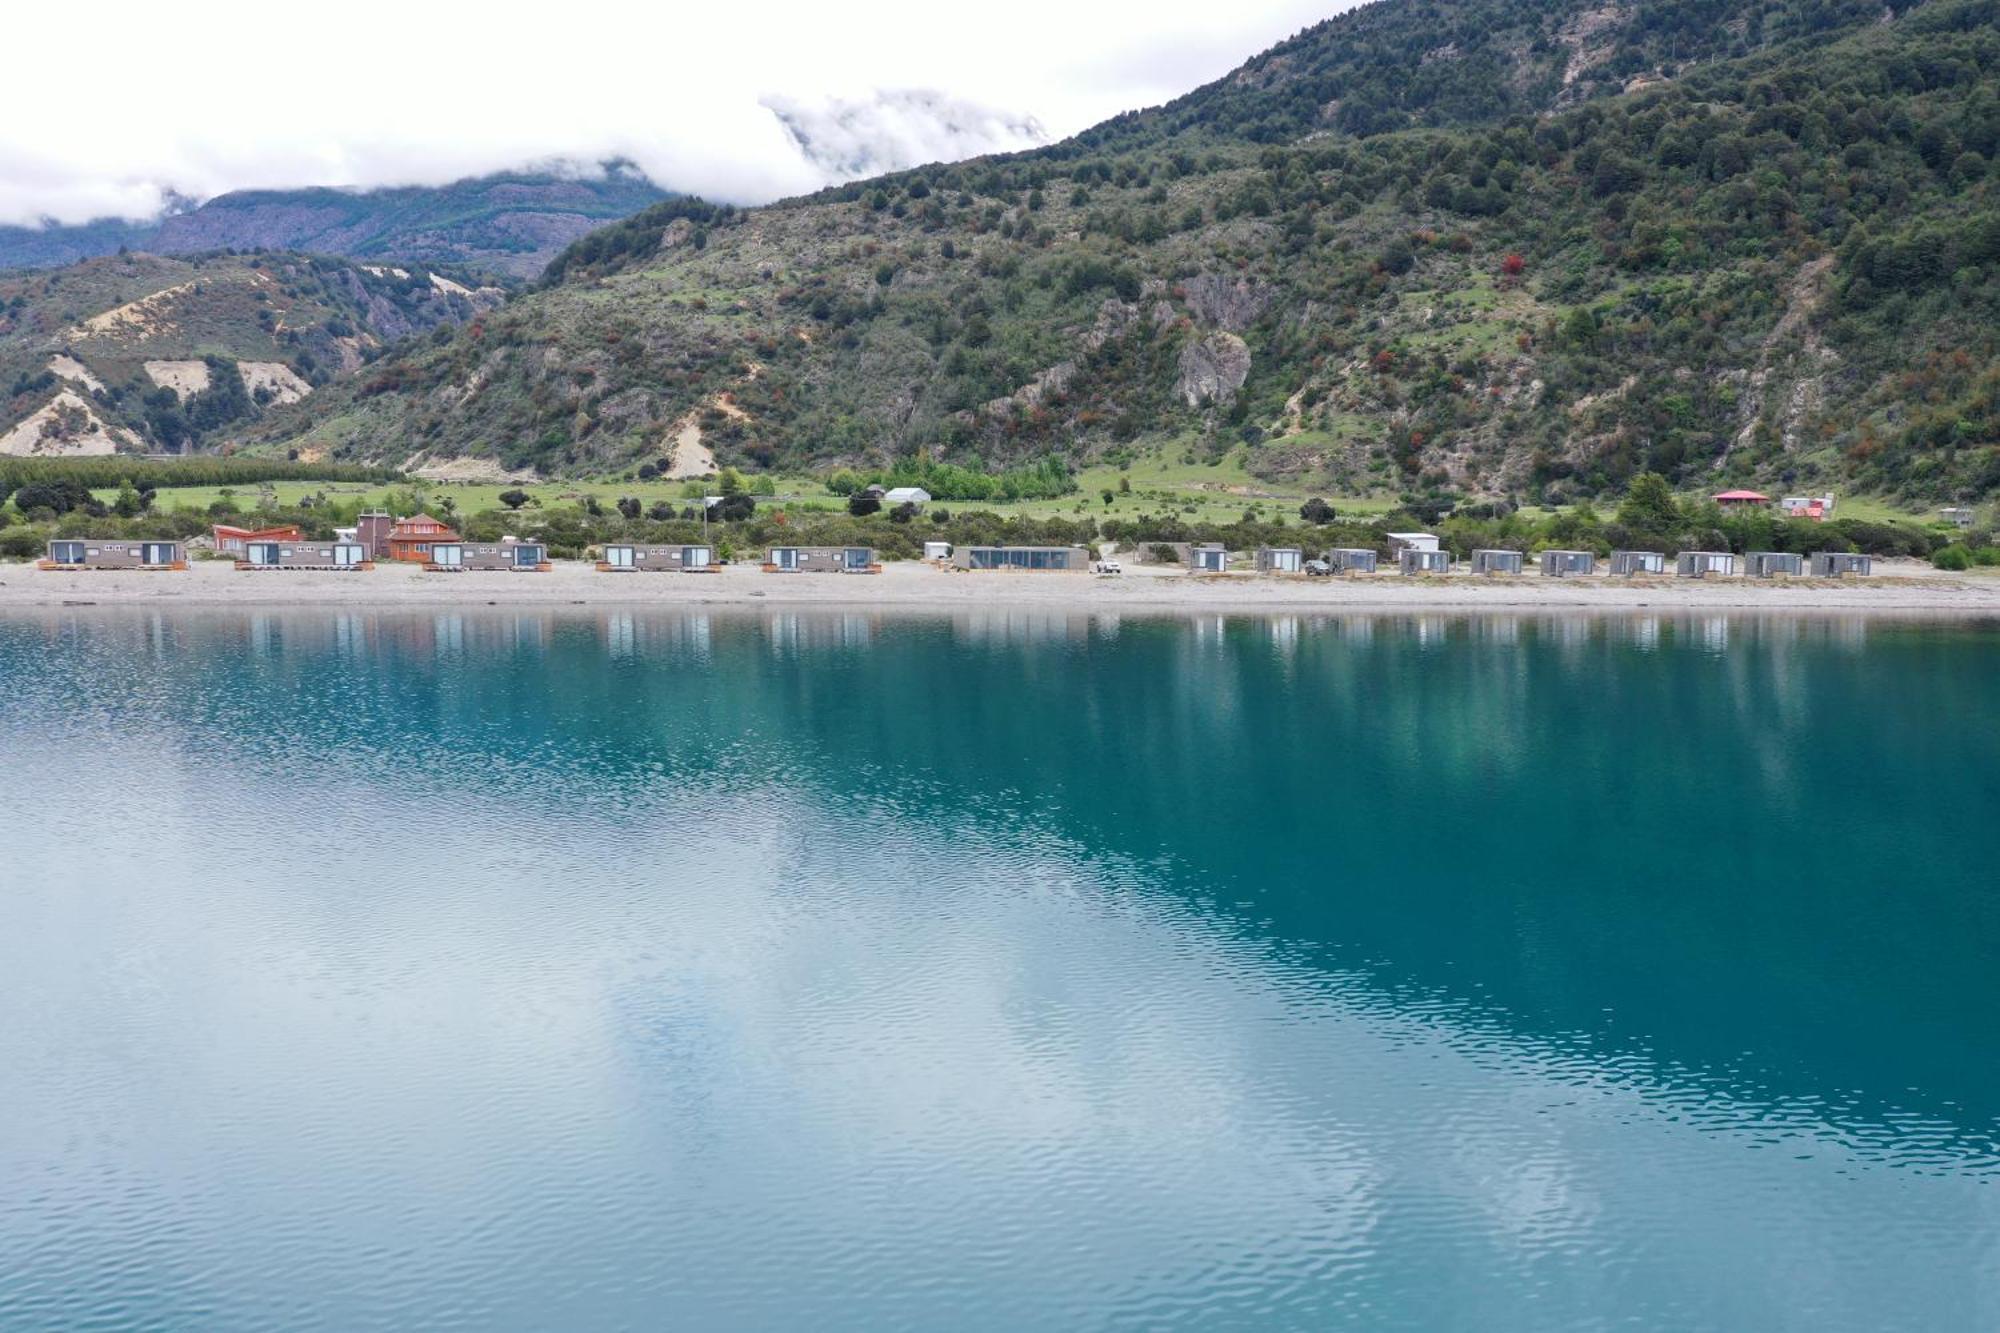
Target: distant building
1958,518
821,560
1351,560
1625,564
1818,508
1413,541
1838,564
1703,564
1568,564
1280,560
300,554
1055,558
230,540
1411,560
670,558
906,495
1775,564
103,553
1741,499
938,552
372,530
483,557
1493,561
412,539
1207,558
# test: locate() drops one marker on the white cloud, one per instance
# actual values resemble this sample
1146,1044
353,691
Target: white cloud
713,99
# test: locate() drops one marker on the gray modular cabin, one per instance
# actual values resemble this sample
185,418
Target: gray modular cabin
1496,562
1625,564
628,557
1207,558
1280,560
821,560
1352,559
1410,560
1838,564
1701,564
98,553
1568,564
1772,564
304,555
1075,559
485,557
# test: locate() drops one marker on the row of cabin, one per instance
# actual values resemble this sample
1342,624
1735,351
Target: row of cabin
532,557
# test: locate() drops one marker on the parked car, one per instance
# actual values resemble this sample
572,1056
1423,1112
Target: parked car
1107,567
1317,569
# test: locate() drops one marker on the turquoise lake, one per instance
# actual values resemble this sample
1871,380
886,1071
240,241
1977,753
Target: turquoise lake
634,970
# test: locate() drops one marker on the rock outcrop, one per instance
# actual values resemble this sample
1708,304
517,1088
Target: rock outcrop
1213,369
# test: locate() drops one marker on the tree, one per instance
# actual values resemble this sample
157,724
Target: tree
903,513
1650,507
128,503
861,504
660,512
629,506
1317,510
733,508
515,498
1109,496
730,482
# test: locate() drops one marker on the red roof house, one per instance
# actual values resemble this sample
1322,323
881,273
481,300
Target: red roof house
1727,498
412,538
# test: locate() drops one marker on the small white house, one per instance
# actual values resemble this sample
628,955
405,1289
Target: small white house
1412,541
905,495
1957,517
939,552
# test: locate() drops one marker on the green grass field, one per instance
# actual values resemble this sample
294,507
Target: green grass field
1158,484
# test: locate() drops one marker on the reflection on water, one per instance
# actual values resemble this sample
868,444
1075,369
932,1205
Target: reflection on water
997,969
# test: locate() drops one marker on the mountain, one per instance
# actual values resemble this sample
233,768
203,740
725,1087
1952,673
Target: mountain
145,353
1484,248
510,224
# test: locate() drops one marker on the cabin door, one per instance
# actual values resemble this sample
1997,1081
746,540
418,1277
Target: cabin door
786,557
619,557
156,553
694,557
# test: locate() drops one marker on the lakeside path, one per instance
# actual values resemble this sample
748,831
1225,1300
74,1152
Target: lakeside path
1899,587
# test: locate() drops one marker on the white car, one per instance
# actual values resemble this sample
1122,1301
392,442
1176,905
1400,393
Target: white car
1108,567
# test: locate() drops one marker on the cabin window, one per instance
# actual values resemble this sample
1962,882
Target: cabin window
619,557
694,557
785,557
857,557
527,557
67,553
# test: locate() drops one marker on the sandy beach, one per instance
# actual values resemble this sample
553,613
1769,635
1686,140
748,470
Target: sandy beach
1900,587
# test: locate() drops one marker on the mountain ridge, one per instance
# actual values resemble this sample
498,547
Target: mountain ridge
508,224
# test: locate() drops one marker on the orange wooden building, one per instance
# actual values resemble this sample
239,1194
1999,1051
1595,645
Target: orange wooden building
412,538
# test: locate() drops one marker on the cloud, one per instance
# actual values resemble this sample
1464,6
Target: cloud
743,103
899,129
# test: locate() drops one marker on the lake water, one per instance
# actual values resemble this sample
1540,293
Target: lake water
837,971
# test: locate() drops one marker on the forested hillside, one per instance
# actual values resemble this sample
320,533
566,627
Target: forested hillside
1483,248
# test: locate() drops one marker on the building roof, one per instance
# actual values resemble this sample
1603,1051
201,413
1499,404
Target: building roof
1756,497
421,528
278,533
913,493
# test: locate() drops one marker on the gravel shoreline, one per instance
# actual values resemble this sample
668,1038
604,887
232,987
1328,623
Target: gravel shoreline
1900,587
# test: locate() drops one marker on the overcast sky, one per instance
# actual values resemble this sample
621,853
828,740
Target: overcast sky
111,103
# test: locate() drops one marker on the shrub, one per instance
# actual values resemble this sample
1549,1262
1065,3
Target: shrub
1955,558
